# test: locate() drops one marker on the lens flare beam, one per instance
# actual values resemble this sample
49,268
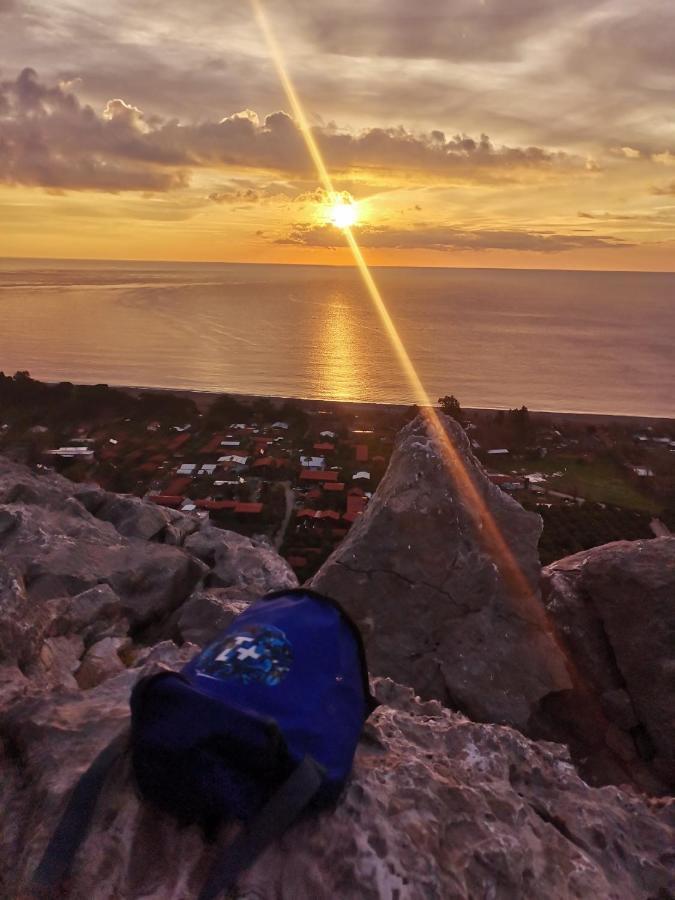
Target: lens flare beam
521,591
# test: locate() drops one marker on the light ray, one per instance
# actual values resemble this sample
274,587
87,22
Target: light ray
522,592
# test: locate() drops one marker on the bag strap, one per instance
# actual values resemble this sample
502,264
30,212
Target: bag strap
276,816
76,818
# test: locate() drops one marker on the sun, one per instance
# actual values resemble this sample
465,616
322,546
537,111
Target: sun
343,213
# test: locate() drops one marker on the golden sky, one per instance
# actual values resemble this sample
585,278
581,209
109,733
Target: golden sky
528,133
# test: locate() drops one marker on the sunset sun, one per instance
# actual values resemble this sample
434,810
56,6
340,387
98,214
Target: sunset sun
343,213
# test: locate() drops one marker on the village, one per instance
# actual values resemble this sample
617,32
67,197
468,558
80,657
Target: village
301,473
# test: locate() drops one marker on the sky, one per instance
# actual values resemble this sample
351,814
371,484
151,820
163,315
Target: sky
507,133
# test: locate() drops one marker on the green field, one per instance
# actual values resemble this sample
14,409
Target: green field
599,480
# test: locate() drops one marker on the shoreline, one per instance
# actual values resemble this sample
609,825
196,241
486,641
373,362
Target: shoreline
204,398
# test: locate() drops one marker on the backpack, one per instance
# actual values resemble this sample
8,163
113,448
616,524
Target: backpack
260,726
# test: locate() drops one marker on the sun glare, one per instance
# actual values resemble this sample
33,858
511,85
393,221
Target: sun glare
343,214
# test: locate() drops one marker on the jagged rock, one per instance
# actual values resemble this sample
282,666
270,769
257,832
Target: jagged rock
60,549
240,562
88,613
59,659
133,517
91,496
207,612
101,661
438,807
615,611
434,610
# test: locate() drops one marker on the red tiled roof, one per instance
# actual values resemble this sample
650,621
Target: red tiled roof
362,453
334,486
318,514
213,445
356,492
178,441
325,446
355,505
314,494
178,485
166,500
216,504
318,475
249,508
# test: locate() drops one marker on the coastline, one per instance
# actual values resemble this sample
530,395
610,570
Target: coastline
204,398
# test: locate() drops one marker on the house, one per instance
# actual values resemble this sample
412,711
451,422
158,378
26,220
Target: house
248,509
280,425
85,453
186,469
336,486
356,505
312,462
327,434
207,469
237,458
498,452
365,475
170,500
361,452
324,447
319,475
216,505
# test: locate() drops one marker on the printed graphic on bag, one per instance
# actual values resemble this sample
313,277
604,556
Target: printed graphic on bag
258,654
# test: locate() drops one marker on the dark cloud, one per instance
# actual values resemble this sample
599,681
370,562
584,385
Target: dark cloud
430,237
50,138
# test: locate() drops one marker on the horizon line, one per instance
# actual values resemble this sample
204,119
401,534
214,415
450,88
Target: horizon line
221,262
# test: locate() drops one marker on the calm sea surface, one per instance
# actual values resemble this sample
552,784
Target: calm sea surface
562,341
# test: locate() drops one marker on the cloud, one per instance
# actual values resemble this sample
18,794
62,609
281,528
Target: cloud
461,30
50,138
664,190
431,237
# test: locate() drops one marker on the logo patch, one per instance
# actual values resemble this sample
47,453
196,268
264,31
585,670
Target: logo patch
260,654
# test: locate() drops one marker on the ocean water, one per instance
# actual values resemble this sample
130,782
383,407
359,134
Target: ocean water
564,341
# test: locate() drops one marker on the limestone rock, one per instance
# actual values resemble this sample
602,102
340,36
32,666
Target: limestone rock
59,549
438,808
133,517
240,562
101,661
207,612
433,608
615,611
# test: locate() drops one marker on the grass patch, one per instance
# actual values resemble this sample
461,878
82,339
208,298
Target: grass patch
600,480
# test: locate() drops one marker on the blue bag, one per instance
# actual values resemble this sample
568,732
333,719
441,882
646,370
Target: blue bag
260,726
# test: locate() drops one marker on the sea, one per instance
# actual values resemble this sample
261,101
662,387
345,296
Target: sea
589,342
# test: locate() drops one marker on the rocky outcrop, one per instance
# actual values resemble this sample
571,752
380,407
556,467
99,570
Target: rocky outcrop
434,609
614,608
438,807
87,578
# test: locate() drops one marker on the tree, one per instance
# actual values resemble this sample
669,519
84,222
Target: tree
450,406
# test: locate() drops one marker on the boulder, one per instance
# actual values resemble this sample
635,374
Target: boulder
208,612
133,517
59,549
240,562
438,807
101,661
614,607
435,610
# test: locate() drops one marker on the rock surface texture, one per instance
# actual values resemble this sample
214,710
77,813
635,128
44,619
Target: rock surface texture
614,608
432,606
438,807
